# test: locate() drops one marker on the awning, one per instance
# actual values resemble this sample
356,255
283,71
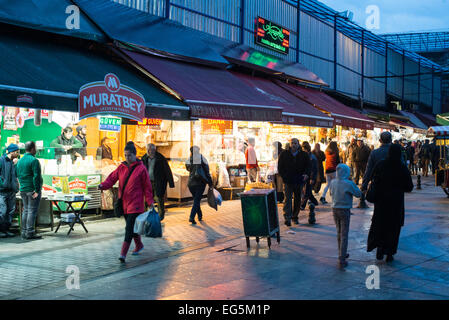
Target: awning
295,111
37,72
384,125
123,23
49,16
254,59
428,119
377,114
413,119
211,93
343,115
438,131
443,119
402,123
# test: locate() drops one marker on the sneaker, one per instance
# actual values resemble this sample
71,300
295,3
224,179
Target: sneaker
3,235
314,201
295,221
136,251
288,223
192,221
200,218
312,221
122,259
342,264
323,200
34,237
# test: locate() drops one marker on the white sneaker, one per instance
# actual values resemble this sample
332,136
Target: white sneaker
3,235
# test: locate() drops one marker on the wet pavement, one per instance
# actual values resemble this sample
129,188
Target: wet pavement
211,261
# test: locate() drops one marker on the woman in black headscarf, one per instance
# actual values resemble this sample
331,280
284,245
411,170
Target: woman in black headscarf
391,179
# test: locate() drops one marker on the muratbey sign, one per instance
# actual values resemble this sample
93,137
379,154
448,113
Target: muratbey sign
110,97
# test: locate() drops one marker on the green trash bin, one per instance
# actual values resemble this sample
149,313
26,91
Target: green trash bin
260,214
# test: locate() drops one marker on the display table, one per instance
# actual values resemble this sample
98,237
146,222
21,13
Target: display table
69,201
260,214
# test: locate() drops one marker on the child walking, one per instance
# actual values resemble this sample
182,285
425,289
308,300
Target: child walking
342,190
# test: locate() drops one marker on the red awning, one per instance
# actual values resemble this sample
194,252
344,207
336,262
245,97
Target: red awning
402,123
295,110
209,92
343,115
384,125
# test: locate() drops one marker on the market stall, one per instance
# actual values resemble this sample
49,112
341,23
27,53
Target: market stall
441,135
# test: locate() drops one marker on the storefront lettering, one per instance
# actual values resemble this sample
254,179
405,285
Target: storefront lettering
111,97
103,99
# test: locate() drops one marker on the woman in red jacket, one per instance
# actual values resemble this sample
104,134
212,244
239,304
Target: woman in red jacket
138,187
332,160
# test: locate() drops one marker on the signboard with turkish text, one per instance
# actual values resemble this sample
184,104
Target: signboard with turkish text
154,124
209,126
110,124
110,97
271,35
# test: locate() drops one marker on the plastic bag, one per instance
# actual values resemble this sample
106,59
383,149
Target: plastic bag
218,197
214,198
223,177
139,225
153,226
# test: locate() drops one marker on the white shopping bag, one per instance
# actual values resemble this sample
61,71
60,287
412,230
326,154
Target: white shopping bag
139,225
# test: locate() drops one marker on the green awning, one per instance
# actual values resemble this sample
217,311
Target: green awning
53,16
37,72
443,119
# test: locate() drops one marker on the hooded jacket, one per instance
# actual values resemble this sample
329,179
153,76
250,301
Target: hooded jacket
138,190
342,189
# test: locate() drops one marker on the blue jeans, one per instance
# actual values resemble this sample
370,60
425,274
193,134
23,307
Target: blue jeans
7,209
197,193
29,214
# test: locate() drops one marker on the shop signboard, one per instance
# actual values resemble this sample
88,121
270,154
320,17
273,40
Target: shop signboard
76,184
154,124
271,35
209,126
9,122
30,114
110,97
110,124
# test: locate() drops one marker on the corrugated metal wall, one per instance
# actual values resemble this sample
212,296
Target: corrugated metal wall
394,69
425,95
374,66
276,11
437,95
411,82
316,45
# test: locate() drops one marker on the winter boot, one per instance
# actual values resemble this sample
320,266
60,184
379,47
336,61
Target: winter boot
139,245
125,248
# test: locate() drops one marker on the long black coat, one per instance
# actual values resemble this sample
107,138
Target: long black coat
388,218
321,157
162,174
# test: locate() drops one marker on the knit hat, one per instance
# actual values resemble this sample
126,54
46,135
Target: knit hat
79,128
11,148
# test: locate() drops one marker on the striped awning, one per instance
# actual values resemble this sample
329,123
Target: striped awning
438,131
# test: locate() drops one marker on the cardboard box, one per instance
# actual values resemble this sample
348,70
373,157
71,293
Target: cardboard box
238,182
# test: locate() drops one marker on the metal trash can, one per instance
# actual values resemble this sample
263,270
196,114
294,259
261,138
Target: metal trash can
260,214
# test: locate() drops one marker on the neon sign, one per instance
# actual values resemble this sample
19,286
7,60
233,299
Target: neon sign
271,35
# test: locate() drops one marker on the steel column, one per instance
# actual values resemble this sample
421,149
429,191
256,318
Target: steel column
242,21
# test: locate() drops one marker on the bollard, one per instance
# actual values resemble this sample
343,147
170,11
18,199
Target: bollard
418,183
362,203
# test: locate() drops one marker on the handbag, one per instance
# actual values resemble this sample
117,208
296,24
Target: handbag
371,192
118,205
200,173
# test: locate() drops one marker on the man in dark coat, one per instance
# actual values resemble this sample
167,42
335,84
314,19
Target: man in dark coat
160,174
426,156
376,156
294,168
308,196
391,179
360,160
81,136
320,157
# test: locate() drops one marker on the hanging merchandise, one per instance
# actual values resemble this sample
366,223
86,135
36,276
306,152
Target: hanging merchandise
10,118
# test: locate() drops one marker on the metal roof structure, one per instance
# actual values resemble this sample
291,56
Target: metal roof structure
361,35
421,41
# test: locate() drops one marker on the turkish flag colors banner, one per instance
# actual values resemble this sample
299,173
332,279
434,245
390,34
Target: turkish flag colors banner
110,97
